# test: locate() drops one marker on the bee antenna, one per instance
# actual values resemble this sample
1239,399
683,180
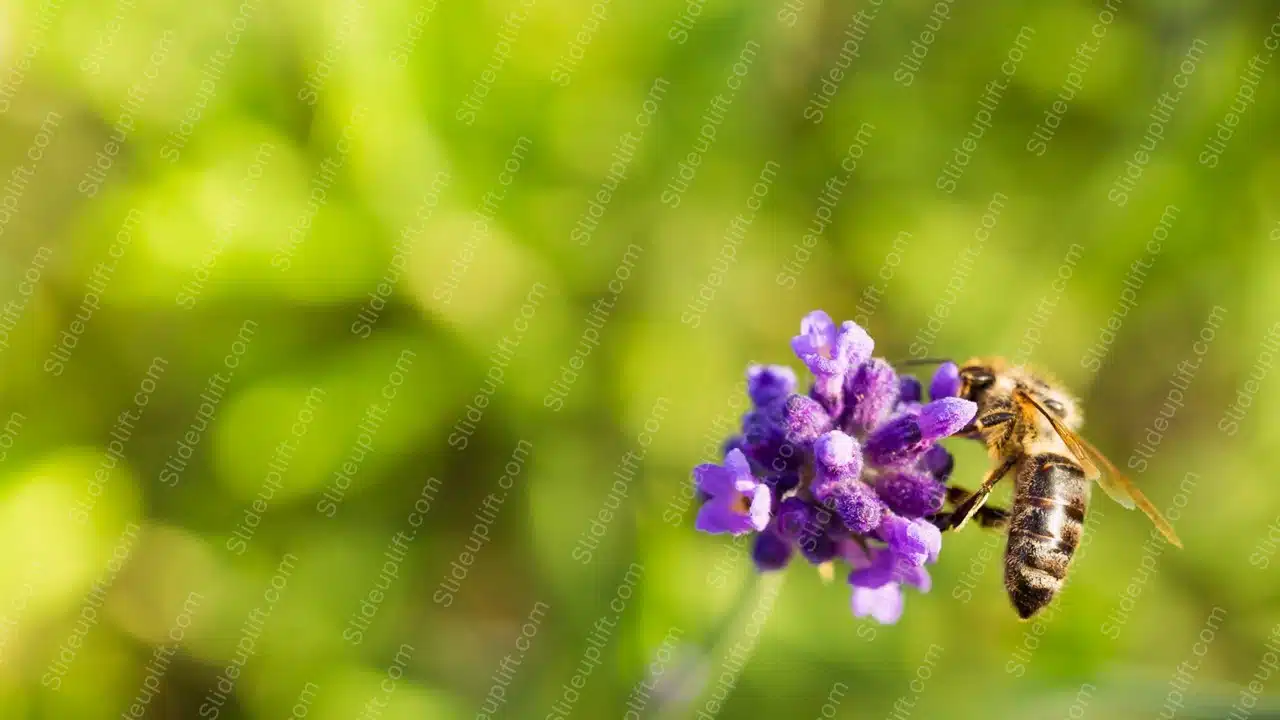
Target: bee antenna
919,361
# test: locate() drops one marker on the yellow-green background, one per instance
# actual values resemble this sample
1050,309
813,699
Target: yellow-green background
1222,251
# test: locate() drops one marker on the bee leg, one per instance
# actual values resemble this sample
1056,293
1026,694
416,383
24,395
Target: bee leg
986,516
956,495
975,501
995,418
991,517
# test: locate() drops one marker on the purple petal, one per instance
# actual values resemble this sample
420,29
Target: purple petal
828,389
761,503
909,389
736,463
769,383
817,546
877,573
946,381
932,538
911,494
713,479
908,408
837,458
770,552
783,482
761,424
853,344
735,442
848,550
816,339
838,450
917,577
897,442
827,475
818,324
719,516
794,515
816,543
905,540
871,393
884,603
826,356
941,418
855,555
764,438
937,462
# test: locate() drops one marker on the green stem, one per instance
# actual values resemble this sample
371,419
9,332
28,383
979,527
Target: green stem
678,700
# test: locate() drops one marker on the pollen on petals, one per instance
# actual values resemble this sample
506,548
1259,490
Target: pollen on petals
854,503
804,419
911,494
871,393
854,344
837,449
897,442
941,418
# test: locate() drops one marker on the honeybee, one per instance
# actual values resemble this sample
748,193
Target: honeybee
1029,424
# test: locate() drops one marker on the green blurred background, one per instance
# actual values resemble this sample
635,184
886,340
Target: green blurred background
360,239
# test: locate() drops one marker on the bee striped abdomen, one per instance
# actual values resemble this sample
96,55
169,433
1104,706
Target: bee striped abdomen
1049,503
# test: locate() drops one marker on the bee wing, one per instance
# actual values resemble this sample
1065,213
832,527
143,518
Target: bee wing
1117,486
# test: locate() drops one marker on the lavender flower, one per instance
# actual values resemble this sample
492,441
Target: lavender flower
911,493
909,390
883,602
870,394
877,587
848,469
767,383
915,540
829,353
803,419
946,381
771,551
826,350
878,579
739,503
937,462
905,438
854,502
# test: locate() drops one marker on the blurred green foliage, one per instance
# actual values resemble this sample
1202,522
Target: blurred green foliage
375,212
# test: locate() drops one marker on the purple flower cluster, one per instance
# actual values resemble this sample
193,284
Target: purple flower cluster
851,470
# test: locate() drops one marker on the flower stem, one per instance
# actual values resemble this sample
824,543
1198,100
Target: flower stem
676,702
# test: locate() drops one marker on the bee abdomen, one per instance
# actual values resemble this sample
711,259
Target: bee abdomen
1045,526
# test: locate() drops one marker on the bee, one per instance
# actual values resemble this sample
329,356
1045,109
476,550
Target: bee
1029,425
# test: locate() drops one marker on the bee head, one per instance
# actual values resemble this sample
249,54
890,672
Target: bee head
975,380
